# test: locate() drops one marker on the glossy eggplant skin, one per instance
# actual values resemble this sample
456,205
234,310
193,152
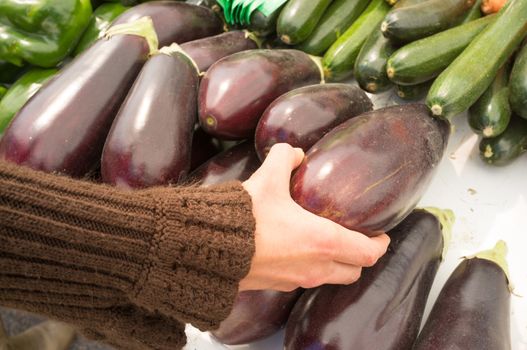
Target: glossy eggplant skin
175,22
63,127
472,310
204,147
236,163
208,51
256,315
368,173
150,141
303,116
384,308
236,90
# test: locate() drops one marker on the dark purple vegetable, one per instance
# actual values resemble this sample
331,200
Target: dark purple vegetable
302,116
64,126
473,308
236,163
368,173
175,22
383,309
256,315
236,90
209,50
204,147
150,140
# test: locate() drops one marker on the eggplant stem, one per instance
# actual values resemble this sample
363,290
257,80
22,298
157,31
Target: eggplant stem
318,62
143,27
446,218
497,255
175,48
254,37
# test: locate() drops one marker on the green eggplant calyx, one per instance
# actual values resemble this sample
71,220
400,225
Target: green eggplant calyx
318,62
175,48
497,255
143,27
447,219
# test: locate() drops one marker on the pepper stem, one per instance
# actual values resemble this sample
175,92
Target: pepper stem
446,218
143,27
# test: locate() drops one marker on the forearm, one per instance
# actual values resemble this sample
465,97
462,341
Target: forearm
67,243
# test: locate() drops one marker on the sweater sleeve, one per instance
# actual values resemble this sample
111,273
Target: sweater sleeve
70,246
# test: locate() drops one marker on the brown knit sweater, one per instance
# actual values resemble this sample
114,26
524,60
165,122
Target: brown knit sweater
128,268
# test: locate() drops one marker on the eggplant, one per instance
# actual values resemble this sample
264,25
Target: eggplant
209,50
368,173
384,308
62,128
256,315
472,310
236,163
236,90
175,22
204,147
302,116
150,141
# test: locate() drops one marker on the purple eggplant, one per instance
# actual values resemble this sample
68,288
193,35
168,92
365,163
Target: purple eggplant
302,116
236,90
384,308
256,315
204,147
472,310
175,22
236,163
62,128
150,140
368,173
209,50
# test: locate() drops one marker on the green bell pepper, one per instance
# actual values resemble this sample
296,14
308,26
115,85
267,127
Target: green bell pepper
101,19
41,32
9,72
21,91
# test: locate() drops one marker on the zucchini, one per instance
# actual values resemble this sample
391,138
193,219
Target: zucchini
406,3
506,147
370,67
425,59
518,84
410,23
491,113
339,61
413,92
474,13
3,91
299,18
337,18
263,25
467,78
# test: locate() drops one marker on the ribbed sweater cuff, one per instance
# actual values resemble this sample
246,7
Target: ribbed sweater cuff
202,248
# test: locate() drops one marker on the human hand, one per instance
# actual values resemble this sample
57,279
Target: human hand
295,248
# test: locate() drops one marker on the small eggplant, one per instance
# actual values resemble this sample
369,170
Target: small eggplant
204,147
236,163
302,116
236,90
472,310
209,50
150,140
369,172
62,128
384,308
175,22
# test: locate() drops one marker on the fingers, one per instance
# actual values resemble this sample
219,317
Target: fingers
280,163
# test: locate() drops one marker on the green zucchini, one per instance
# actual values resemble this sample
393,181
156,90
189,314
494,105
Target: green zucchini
263,25
411,23
467,78
518,84
413,92
339,16
474,13
508,146
299,18
406,3
339,60
425,59
3,91
491,113
370,66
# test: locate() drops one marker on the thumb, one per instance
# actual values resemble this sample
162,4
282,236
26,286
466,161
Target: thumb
280,163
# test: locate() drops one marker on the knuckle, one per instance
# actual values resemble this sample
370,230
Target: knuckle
369,258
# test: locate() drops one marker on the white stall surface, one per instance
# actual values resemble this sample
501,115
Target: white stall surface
490,204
